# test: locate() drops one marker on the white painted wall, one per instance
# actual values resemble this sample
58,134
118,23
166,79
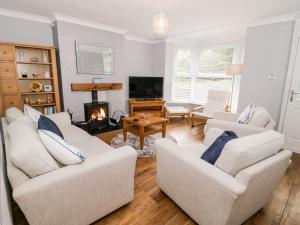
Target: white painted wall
159,57
66,35
25,31
138,62
138,58
267,50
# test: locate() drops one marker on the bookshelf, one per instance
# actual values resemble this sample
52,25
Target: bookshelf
22,64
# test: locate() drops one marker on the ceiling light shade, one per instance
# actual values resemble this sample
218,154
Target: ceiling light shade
160,23
234,69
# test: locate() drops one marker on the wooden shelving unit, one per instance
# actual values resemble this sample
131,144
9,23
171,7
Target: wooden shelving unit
33,63
154,108
37,93
39,63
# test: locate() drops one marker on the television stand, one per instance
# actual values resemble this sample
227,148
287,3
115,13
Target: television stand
147,99
147,107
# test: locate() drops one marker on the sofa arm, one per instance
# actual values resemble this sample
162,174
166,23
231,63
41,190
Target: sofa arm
62,119
201,189
226,116
240,129
82,193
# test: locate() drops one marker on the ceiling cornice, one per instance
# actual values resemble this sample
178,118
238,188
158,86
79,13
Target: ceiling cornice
25,16
88,23
275,19
143,40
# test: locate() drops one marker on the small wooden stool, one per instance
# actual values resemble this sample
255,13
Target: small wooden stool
177,111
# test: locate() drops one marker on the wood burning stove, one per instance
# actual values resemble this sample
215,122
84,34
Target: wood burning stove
96,115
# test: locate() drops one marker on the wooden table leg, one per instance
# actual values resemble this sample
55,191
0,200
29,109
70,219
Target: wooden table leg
142,136
164,127
125,124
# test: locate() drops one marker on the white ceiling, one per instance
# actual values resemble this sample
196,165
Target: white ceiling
188,18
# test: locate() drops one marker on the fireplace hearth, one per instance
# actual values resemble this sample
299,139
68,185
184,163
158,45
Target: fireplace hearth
96,115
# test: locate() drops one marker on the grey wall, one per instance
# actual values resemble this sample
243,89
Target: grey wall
25,31
168,71
267,50
138,62
138,58
159,57
66,34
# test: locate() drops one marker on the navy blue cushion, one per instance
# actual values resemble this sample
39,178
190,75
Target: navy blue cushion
214,151
45,123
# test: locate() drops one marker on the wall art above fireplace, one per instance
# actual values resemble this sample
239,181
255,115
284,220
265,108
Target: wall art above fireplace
94,58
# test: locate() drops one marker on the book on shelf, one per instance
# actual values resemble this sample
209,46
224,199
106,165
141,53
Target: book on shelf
49,110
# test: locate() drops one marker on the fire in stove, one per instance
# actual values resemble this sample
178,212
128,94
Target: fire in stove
98,115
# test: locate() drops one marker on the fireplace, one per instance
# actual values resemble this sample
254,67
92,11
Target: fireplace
96,115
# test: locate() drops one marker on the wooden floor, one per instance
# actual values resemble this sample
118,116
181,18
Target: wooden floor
152,207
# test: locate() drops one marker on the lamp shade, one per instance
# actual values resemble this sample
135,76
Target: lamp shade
160,23
234,69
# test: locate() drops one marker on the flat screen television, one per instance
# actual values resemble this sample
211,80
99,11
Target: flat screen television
145,87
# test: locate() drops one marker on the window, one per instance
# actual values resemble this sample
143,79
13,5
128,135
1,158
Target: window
183,76
212,72
195,72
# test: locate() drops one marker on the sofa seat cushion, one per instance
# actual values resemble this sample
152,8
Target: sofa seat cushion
93,146
243,152
73,134
27,152
13,113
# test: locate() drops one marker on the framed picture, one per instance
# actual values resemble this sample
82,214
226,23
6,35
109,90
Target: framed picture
47,88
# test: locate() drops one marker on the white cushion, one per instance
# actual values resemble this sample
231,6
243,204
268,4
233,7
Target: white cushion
61,150
27,152
211,135
32,114
177,109
26,120
13,113
204,115
243,152
246,115
216,100
260,117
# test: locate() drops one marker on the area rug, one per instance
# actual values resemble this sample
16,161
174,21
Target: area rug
134,141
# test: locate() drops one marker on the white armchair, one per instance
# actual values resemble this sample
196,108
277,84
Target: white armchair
216,100
229,192
228,121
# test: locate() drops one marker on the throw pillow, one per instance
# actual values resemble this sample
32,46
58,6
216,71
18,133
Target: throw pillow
32,114
260,117
13,113
247,114
214,151
27,152
45,123
61,150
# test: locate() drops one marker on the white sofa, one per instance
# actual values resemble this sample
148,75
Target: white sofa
78,194
228,121
229,192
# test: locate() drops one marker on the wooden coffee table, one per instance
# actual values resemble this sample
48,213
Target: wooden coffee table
144,127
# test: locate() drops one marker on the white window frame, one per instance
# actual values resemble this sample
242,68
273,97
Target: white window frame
237,58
